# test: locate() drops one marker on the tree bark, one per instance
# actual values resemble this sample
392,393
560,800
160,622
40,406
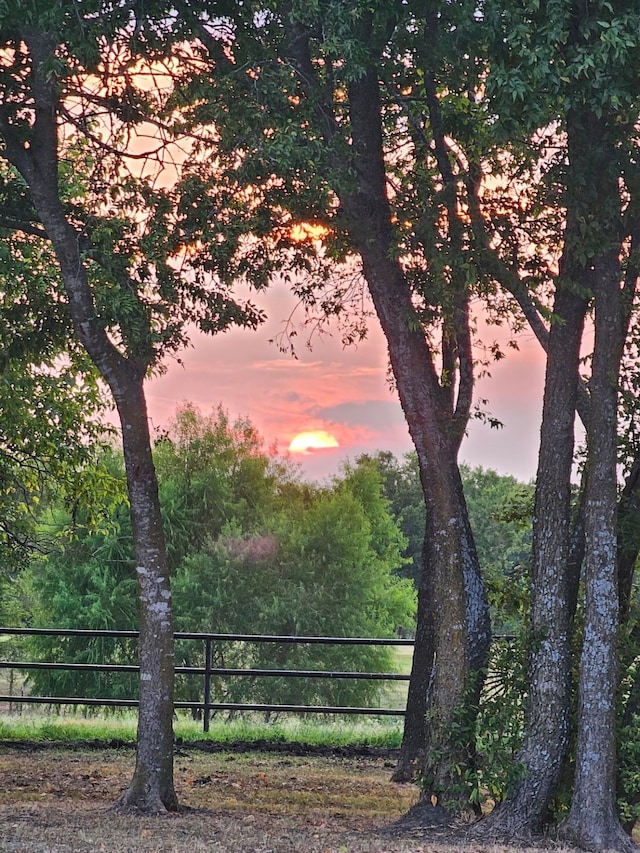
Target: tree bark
593,822
546,734
152,788
453,633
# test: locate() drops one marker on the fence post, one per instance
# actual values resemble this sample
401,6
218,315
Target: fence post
208,664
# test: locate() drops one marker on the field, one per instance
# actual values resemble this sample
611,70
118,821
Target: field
297,785
58,800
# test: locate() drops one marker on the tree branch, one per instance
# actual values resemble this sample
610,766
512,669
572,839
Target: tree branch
14,223
460,314
299,52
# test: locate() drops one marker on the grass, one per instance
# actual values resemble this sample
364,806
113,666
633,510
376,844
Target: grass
59,801
75,725
63,728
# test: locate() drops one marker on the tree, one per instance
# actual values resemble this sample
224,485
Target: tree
213,472
319,97
70,95
550,617
585,101
403,490
593,821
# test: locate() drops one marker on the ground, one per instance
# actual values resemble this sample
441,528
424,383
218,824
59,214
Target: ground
55,800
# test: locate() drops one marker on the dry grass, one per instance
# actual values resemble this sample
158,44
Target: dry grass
54,801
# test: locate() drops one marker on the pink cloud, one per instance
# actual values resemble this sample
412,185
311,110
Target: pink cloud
342,391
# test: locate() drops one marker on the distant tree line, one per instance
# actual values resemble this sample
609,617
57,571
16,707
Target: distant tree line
252,549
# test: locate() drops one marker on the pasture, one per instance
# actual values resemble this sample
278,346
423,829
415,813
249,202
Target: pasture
56,799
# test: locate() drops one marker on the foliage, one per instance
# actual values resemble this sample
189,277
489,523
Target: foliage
493,737
628,775
147,282
501,719
253,551
323,567
256,551
500,510
402,488
50,402
213,472
87,580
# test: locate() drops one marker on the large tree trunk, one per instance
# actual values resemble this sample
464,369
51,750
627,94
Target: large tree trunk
417,734
152,787
546,734
457,610
453,633
593,822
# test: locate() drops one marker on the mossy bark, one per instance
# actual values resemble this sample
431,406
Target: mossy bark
593,822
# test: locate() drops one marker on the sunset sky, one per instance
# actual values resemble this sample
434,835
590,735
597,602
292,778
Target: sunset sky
342,392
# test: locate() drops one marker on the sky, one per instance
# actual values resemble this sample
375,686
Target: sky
343,392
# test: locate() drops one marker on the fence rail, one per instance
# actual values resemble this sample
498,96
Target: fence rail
207,672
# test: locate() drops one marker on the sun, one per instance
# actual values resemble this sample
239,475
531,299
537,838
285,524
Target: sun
302,231
317,439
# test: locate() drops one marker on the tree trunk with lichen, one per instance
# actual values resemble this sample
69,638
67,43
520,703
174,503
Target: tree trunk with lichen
152,788
453,631
546,734
593,823
553,588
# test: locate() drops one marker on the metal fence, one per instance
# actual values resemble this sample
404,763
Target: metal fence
206,673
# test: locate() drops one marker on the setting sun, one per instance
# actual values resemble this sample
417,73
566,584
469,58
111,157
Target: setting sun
305,442
308,231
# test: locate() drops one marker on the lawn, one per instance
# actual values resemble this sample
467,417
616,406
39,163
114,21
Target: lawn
58,800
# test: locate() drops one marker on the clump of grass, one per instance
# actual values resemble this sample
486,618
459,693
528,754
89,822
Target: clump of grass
372,732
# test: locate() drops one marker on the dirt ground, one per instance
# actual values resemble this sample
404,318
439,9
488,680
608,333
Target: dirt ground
58,801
